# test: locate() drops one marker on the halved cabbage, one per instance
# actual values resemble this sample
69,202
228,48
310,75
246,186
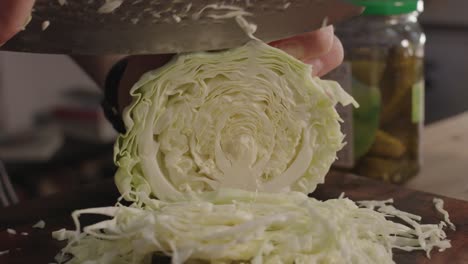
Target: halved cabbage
250,118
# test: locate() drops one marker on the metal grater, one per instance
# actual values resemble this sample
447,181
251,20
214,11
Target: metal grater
165,26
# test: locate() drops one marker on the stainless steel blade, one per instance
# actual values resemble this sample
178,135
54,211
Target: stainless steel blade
168,26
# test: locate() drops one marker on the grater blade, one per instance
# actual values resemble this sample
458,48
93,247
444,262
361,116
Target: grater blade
165,26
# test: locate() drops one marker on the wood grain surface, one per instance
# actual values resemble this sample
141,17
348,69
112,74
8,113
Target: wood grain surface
39,247
445,158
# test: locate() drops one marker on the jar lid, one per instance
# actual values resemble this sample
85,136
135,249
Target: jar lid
389,7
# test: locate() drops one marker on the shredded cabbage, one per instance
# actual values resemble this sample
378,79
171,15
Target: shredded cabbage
110,6
40,224
11,231
250,118
240,226
439,205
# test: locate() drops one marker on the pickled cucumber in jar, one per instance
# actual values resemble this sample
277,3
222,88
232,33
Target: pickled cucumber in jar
385,48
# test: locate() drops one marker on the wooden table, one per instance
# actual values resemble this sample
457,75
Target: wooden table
445,155
39,247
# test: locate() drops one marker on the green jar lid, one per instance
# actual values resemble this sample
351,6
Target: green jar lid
388,7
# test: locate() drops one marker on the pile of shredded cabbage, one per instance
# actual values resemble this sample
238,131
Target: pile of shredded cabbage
230,143
247,227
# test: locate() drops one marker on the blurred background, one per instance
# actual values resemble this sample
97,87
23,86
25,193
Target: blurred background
53,136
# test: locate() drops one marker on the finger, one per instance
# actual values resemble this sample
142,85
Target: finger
14,15
307,46
329,61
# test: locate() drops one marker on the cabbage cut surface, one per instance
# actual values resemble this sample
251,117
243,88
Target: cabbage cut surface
250,118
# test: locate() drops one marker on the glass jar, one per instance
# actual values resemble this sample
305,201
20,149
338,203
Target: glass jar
384,51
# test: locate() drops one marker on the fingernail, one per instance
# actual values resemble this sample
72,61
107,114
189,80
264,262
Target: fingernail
327,27
317,66
26,23
294,50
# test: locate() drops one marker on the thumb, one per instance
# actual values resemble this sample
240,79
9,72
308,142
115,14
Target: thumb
14,14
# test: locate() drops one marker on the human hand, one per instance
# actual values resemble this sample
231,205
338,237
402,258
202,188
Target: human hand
14,15
320,48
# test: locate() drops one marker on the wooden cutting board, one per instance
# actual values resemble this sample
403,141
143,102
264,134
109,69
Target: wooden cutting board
39,247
